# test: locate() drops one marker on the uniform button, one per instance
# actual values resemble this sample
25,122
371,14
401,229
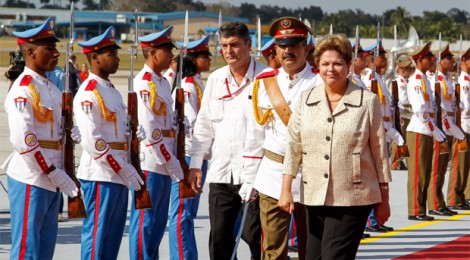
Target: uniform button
327,157
290,85
329,120
326,176
328,138
288,102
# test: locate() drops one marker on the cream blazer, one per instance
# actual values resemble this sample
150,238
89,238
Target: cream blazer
343,154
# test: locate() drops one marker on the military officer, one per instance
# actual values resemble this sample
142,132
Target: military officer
458,190
266,136
170,73
184,211
104,170
359,65
420,133
33,106
269,53
404,70
436,202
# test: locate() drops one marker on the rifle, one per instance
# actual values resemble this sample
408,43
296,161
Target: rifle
401,150
185,190
356,49
142,196
373,83
75,207
217,44
258,52
443,146
461,144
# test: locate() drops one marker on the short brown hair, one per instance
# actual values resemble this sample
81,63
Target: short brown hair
334,42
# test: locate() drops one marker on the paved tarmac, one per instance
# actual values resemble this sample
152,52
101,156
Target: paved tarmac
409,237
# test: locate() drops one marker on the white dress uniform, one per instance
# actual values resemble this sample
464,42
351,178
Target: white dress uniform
447,98
385,101
403,102
464,81
193,92
99,162
265,173
220,127
170,75
356,79
157,121
29,161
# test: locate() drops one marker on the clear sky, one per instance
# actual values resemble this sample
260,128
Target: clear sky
415,7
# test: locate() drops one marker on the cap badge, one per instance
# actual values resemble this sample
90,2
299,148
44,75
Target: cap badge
51,24
286,23
288,31
113,32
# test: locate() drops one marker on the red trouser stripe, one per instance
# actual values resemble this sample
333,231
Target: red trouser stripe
95,225
434,175
140,238
416,184
178,228
25,223
453,178
293,232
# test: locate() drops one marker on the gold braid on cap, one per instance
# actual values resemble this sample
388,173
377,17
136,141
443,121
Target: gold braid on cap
42,113
161,111
267,115
108,115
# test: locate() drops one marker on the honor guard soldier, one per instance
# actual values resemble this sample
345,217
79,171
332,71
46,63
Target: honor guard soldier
273,93
420,133
404,69
436,202
158,162
380,63
359,65
458,192
268,51
104,171
170,73
34,106
184,211
220,129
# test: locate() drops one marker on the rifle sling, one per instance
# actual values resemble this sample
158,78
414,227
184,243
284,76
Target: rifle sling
277,99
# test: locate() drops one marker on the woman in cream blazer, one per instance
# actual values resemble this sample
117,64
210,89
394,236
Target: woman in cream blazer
336,134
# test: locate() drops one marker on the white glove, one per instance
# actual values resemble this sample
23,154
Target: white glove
75,134
187,126
173,167
130,175
395,136
452,128
140,133
436,132
247,193
66,185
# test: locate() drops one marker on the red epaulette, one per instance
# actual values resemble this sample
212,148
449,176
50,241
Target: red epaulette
189,80
147,76
267,74
439,78
26,80
370,76
402,80
466,78
418,76
91,85
315,70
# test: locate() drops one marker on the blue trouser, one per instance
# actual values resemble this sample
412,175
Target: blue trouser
106,209
292,239
33,220
147,227
371,219
181,228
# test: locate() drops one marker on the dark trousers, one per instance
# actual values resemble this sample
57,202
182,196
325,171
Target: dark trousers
252,230
335,232
224,206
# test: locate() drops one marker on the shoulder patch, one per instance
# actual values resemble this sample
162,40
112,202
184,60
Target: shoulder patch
402,80
370,76
418,76
189,80
467,78
91,85
26,80
267,74
170,74
440,78
147,76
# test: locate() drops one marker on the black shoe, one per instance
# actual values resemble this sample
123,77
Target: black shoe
365,235
421,218
402,166
387,228
293,248
461,207
440,212
375,228
451,211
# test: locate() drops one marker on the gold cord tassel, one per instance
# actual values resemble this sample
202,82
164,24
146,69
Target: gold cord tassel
268,114
109,116
41,113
